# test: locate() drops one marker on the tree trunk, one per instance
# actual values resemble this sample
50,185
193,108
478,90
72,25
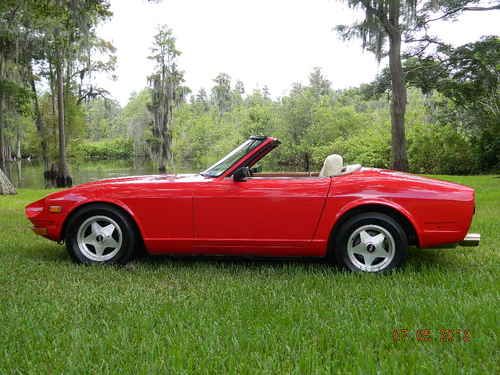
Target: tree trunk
307,163
2,117
63,178
40,125
162,168
398,105
2,140
167,132
18,141
166,153
52,80
6,186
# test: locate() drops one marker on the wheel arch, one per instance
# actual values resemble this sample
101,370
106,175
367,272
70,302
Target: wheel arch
75,211
398,214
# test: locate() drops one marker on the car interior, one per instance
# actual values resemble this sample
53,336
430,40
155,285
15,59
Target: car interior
332,166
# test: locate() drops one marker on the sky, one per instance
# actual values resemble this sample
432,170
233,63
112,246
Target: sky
271,43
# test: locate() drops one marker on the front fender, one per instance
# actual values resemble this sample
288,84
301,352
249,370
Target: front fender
111,201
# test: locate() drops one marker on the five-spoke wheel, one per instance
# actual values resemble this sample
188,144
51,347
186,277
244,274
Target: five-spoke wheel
101,233
99,238
370,242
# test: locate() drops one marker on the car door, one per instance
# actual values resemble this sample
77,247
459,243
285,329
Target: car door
268,216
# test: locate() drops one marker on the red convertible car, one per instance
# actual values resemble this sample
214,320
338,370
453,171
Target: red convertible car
363,218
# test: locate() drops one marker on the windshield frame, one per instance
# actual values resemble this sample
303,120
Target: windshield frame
234,157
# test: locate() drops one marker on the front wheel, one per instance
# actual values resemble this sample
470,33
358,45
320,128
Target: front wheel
101,234
371,242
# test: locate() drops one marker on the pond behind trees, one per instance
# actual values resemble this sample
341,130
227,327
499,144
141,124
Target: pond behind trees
29,174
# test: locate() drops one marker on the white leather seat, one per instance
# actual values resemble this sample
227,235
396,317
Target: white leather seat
332,166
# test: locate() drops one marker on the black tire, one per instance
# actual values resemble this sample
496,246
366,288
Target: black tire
373,223
101,214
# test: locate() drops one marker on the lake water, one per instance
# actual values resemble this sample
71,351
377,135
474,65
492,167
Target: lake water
25,174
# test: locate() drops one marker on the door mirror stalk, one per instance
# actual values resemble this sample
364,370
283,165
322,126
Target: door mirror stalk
241,174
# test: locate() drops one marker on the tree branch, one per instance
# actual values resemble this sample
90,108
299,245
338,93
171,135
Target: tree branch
426,39
493,7
92,94
379,14
463,9
420,51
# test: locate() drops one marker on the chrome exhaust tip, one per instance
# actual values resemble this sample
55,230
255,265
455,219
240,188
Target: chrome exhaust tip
471,239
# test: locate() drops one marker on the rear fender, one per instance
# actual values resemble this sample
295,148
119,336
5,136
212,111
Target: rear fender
333,215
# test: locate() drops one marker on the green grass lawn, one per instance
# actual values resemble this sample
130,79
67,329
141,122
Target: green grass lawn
163,315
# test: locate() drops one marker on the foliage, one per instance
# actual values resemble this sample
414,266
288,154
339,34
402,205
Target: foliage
468,78
467,74
435,148
109,149
100,118
134,121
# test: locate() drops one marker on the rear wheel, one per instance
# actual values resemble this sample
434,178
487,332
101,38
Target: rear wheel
371,242
101,234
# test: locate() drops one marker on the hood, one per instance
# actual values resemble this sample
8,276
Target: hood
118,181
143,180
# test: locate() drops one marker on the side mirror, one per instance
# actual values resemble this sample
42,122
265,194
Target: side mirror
241,174
256,169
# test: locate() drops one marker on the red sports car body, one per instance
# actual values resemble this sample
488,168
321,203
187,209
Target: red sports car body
232,209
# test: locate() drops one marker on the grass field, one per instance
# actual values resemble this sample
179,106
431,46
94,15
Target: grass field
163,315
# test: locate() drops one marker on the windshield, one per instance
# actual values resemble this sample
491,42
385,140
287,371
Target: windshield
225,163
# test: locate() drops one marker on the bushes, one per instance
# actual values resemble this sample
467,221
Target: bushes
103,150
439,149
370,147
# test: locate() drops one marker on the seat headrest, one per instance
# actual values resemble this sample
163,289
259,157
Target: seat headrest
332,166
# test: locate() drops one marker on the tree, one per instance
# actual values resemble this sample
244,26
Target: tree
201,100
100,115
266,93
238,92
297,113
388,21
135,120
87,64
221,93
318,83
382,22
39,122
239,88
75,24
166,94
